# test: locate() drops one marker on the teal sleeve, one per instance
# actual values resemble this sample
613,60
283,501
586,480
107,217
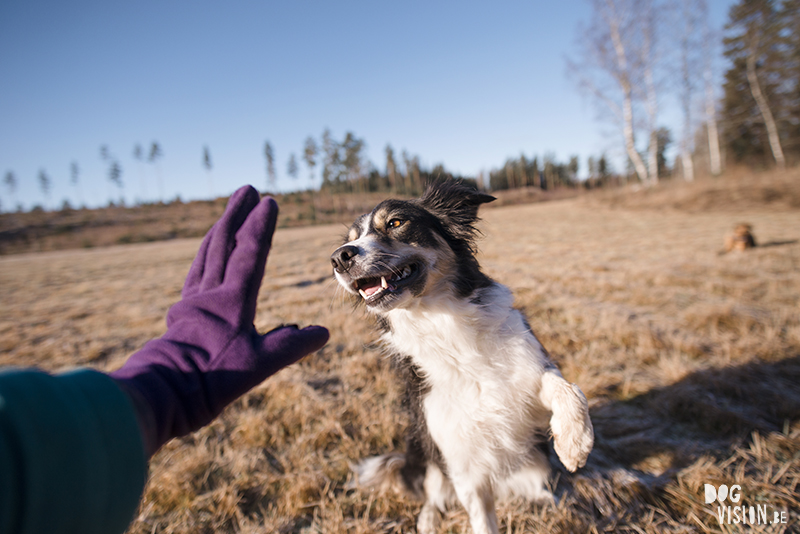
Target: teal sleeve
71,455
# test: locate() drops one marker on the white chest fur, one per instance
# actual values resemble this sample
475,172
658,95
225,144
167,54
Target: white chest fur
484,369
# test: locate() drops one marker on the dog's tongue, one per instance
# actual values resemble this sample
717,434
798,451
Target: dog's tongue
370,290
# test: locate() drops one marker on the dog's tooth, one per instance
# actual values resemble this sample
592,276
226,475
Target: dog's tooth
384,285
363,294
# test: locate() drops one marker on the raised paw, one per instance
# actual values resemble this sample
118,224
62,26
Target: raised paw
573,434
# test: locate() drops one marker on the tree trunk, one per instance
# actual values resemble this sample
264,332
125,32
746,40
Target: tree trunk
766,113
711,125
651,103
627,103
714,158
687,166
627,132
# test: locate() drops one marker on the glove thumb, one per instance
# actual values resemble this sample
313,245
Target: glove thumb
286,344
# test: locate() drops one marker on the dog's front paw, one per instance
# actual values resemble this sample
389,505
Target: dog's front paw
573,434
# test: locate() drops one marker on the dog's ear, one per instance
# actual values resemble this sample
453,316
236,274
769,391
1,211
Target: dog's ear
454,201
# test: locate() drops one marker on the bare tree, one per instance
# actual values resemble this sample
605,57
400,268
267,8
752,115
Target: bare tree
648,58
685,30
611,67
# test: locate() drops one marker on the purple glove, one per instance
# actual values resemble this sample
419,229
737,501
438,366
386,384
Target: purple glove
211,353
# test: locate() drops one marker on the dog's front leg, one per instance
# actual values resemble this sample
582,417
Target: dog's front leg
573,435
477,497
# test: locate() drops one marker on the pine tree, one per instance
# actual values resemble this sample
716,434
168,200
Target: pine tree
44,185
391,168
291,166
310,156
10,182
156,153
75,173
208,166
790,23
269,155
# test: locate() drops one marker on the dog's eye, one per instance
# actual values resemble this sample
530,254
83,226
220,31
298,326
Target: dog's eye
396,223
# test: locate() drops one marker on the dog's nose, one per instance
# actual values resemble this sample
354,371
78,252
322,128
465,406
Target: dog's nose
342,258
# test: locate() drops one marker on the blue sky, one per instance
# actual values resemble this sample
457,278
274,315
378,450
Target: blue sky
466,84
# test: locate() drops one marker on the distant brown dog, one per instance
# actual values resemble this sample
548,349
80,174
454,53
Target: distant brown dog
741,238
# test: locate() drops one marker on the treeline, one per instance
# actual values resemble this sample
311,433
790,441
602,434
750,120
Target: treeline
635,55
345,167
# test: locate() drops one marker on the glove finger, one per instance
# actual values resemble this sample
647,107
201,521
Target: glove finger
287,344
192,284
222,240
248,260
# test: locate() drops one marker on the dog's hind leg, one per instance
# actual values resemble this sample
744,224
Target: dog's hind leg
529,481
573,435
439,495
477,497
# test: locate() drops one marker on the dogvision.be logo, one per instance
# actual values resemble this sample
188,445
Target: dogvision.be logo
733,510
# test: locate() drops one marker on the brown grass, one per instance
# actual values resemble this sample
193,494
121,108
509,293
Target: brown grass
690,359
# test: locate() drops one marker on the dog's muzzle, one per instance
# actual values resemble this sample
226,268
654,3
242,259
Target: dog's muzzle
342,258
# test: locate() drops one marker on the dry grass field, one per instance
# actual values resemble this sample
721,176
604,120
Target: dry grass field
43,231
690,360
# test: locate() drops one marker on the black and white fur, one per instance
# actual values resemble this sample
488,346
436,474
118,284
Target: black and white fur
482,393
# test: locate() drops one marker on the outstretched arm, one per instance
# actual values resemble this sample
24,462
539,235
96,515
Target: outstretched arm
74,447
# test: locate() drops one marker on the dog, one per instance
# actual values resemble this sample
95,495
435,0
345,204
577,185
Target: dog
741,239
481,392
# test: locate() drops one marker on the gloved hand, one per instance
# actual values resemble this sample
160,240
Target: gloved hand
211,353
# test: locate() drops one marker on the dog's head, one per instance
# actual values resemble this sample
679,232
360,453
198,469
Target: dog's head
407,249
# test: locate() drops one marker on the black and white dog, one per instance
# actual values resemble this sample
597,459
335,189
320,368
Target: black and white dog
481,391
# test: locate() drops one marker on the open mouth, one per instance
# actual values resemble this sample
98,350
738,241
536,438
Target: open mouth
374,288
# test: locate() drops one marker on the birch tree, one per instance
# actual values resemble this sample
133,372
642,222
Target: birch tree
753,46
610,68
710,100
686,29
648,56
